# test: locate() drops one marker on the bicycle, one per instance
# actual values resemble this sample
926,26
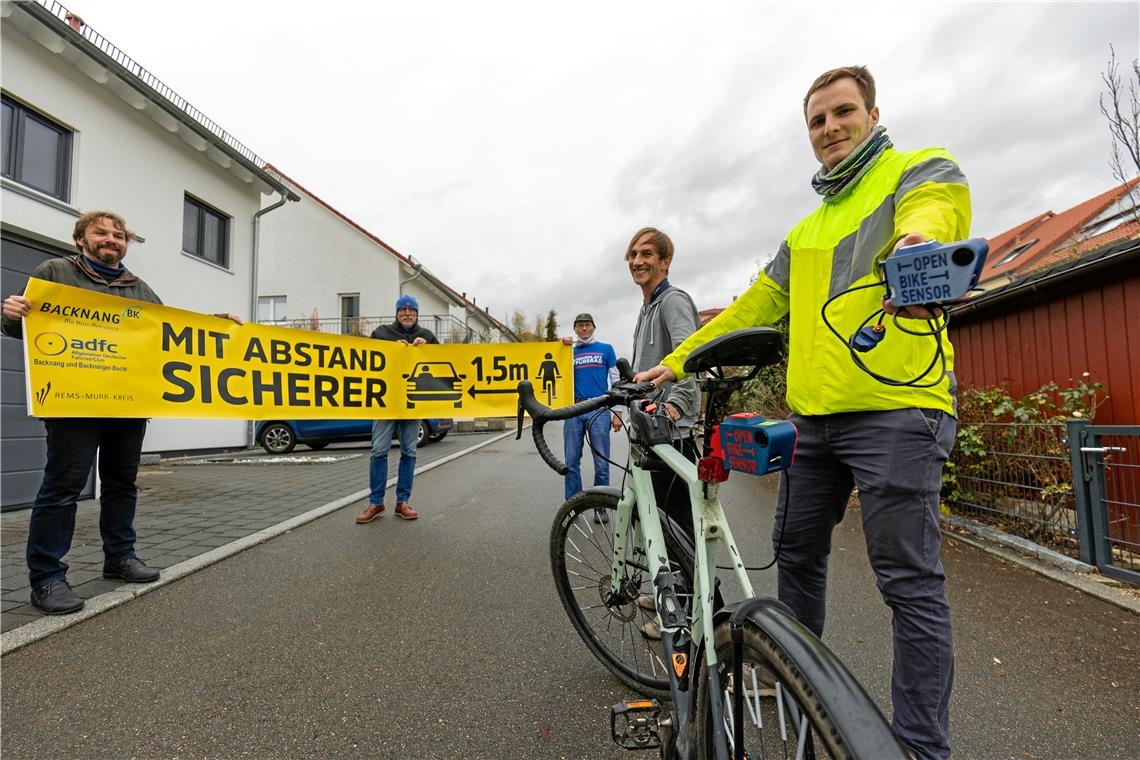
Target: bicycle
744,679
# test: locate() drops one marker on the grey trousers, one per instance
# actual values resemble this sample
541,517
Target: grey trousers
895,458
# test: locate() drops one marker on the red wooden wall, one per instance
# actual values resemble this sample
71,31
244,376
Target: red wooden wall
1090,325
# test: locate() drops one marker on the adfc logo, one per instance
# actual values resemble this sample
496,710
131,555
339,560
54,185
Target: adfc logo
51,343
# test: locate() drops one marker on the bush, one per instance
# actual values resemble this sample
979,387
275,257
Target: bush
1010,461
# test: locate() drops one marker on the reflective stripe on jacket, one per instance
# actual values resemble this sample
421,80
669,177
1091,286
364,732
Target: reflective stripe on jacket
839,246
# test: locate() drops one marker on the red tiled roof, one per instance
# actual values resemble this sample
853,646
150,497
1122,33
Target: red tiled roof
707,315
1125,231
1050,230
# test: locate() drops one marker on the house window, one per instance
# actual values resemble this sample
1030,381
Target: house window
205,232
350,322
1016,252
37,151
270,309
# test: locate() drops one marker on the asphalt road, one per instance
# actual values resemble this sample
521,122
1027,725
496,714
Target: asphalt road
443,637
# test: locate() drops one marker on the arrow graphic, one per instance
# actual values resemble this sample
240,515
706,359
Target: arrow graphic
472,392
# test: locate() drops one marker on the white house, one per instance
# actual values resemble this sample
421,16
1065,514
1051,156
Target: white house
84,128
352,278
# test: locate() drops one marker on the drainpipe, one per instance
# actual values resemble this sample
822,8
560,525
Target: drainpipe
285,198
256,243
419,273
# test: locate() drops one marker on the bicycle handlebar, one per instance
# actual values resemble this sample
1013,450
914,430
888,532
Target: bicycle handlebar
620,394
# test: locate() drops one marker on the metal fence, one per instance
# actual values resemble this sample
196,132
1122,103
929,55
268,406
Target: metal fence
1106,463
1017,477
447,329
1074,487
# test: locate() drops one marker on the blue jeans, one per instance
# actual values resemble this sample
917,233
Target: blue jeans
382,431
895,458
71,447
573,429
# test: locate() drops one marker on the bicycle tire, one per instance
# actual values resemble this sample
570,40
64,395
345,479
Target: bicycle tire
583,583
844,722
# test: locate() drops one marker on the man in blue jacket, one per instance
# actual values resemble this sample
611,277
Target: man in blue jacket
406,329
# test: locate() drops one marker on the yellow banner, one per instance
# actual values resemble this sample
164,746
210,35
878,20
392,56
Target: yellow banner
93,355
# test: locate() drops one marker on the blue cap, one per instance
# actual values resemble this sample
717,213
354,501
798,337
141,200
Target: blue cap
407,302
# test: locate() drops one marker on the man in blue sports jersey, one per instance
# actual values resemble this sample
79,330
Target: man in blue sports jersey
595,368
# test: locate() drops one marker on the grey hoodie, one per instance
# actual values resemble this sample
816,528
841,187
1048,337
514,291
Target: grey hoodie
662,325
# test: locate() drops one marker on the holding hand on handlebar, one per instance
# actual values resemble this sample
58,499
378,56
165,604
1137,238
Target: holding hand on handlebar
656,375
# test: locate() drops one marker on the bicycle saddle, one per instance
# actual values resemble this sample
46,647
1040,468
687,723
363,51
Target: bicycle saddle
750,347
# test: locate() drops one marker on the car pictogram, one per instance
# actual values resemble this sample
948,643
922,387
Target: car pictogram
434,381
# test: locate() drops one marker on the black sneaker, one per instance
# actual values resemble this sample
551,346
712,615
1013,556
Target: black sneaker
56,598
601,516
129,569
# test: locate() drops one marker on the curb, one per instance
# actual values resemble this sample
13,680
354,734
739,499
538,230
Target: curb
1021,545
48,625
1038,559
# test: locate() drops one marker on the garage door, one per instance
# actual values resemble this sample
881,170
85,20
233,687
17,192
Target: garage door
22,446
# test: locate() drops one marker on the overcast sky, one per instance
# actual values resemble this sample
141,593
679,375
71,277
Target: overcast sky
514,147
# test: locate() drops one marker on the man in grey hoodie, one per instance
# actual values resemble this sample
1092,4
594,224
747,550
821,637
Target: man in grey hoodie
667,317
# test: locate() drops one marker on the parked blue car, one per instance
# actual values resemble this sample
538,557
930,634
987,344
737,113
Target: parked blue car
281,436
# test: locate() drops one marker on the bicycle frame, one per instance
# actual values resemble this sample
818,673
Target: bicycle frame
678,639
851,724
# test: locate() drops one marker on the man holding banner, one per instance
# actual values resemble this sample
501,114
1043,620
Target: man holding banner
102,238
406,329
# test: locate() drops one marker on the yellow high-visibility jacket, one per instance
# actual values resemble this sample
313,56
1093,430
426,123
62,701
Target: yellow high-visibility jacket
839,246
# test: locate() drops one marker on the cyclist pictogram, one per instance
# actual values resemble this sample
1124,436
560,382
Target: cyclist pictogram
548,373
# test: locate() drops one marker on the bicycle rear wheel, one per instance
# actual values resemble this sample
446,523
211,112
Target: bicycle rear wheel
799,700
581,557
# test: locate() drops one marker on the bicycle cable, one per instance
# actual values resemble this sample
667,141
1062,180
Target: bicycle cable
870,340
590,441
780,540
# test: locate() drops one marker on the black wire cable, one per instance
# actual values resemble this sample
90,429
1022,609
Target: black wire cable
936,329
590,441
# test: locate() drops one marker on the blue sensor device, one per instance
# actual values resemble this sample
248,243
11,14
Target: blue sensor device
754,444
933,272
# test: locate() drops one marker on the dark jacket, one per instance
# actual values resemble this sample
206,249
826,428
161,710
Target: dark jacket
395,332
77,272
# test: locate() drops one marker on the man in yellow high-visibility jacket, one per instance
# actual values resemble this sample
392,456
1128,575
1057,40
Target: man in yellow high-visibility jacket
889,441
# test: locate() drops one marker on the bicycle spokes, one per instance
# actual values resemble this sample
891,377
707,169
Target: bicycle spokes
772,719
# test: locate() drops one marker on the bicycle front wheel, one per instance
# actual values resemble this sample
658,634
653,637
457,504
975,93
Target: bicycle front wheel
613,626
798,699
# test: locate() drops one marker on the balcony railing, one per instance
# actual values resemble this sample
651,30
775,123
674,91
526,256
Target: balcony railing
446,328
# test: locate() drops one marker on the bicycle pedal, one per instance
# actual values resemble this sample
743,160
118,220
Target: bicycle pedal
636,724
